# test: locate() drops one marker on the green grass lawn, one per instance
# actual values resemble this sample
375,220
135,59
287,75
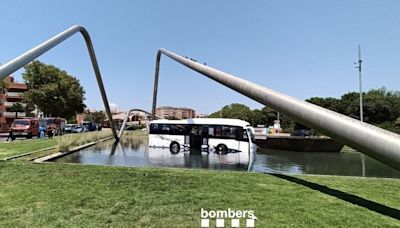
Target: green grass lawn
18,147
60,195
8,149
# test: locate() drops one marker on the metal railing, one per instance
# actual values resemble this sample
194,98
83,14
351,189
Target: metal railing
373,141
10,104
14,94
123,126
15,64
14,114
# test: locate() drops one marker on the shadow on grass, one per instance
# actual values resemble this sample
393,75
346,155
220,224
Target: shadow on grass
370,205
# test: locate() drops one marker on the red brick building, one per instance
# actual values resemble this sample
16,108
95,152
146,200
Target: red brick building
12,94
167,112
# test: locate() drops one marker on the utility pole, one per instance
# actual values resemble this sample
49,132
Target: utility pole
360,84
279,122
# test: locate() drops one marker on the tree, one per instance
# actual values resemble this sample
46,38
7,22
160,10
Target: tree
397,123
287,124
258,118
235,111
96,117
53,91
17,107
381,108
265,116
328,103
3,85
381,105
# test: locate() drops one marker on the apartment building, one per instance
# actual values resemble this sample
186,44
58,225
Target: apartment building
167,112
11,95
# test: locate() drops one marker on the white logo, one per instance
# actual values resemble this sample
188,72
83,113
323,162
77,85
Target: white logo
228,218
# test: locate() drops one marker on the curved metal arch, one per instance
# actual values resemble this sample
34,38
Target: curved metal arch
121,130
373,141
15,64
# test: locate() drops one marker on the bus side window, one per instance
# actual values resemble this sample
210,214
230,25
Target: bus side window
153,128
218,131
204,132
165,129
181,129
211,132
177,129
196,130
229,132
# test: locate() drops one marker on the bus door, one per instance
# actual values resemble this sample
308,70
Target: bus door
204,135
196,138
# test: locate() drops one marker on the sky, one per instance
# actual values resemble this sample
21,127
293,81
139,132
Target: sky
300,48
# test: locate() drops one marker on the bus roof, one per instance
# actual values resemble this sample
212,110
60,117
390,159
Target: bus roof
205,121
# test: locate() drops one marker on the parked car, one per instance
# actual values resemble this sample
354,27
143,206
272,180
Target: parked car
69,128
89,125
301,132
27,127
79,129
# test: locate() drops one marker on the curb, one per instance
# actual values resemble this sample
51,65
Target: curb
29,153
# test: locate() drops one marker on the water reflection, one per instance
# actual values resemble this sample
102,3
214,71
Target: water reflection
135,152
343,164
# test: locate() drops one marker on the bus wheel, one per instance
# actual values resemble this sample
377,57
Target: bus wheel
174,147
222,149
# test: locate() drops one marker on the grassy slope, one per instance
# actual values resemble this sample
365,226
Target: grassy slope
24,146
91,196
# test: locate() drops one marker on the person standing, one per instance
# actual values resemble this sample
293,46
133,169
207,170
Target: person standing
42,131
10,134
50,132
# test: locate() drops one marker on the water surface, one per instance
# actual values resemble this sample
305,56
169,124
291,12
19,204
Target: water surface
135,152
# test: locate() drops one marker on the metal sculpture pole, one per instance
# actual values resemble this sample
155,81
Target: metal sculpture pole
15,64
153,110
373,141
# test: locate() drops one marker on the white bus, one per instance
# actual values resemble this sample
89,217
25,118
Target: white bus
203,134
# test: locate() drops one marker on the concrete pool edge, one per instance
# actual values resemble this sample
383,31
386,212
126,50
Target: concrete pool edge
29,153
73,150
